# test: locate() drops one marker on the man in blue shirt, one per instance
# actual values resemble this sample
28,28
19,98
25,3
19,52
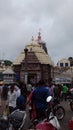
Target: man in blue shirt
21,100
39,99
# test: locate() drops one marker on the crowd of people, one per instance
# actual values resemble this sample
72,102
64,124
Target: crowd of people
14,95
19,96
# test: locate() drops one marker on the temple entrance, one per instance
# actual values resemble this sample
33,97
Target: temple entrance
32,78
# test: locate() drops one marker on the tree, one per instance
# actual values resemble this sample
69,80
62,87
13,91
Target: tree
7,62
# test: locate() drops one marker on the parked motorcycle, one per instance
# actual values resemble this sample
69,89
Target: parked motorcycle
49,123
14,121
17,119
46,125
58,110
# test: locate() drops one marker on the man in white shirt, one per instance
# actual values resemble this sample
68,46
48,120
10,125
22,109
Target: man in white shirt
12,96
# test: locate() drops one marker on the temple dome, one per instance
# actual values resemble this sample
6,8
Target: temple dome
34,46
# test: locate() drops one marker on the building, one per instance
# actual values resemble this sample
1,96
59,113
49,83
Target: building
34,65
63,72
63,63
8,76
71,61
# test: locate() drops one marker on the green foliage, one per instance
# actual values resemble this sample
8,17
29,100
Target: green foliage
7,62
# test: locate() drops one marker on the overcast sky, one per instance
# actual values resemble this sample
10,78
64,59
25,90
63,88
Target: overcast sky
22,19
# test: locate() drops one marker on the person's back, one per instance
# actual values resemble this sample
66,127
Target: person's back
40,95
64,92
21,101
39,99
64,89
56,91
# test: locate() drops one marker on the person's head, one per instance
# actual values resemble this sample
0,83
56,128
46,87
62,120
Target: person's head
12,88
41,83
23,92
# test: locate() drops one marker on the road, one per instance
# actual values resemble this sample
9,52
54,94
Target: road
63,123
68,115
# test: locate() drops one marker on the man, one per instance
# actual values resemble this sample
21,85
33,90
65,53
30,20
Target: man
64,92
12,96
39,97
21,100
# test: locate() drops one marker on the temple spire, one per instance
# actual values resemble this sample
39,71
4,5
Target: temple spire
39,37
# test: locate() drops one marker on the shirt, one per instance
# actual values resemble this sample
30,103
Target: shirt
12,98
39,97
20,102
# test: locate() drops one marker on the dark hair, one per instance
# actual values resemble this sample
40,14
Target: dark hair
41,82
24,92
12,88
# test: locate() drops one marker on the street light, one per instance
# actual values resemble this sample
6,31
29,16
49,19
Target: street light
26,66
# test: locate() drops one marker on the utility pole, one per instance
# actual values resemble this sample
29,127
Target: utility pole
26,67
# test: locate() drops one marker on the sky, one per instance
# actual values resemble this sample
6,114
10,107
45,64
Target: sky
22,19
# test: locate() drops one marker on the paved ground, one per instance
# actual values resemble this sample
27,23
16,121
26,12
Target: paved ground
68,116
63,123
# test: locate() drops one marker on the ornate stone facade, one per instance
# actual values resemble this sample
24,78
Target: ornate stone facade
38,63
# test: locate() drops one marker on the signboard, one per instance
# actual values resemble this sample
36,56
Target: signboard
62,80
